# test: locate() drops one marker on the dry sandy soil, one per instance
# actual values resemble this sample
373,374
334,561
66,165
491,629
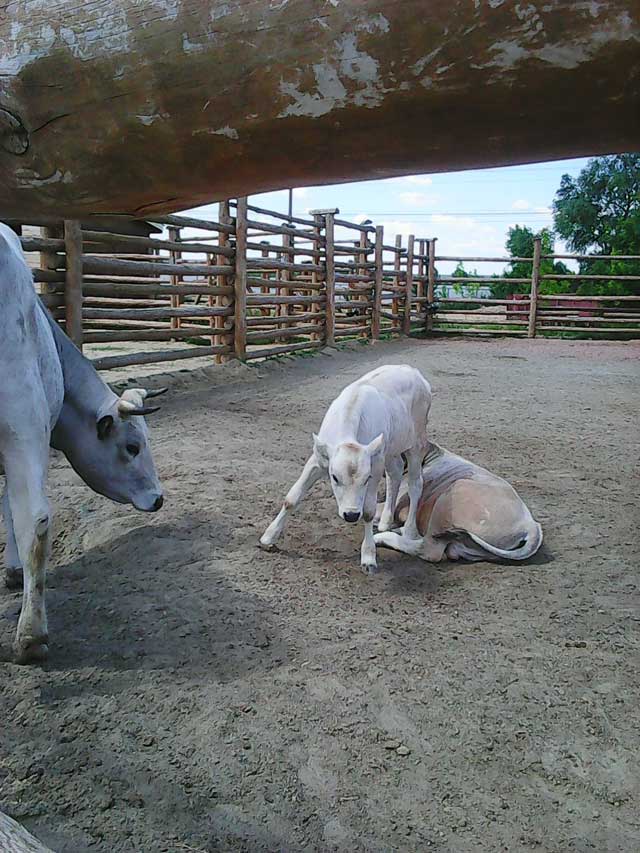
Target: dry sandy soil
204,696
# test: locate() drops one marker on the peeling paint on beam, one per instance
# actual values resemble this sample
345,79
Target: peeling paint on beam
153,105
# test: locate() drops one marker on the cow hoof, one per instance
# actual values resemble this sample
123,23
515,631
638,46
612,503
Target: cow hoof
32,650
13,577
369,568
269,547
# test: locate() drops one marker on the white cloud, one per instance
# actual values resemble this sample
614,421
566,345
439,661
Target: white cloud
521,204
462,223
413,199
423,180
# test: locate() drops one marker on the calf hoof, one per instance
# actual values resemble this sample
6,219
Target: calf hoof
369,568
13,577
267,546
31,649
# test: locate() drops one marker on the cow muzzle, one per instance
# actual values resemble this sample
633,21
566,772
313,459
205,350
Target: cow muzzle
153,505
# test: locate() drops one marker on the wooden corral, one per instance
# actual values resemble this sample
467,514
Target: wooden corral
257,283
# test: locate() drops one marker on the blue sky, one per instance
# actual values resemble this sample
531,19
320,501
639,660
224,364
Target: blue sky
469,212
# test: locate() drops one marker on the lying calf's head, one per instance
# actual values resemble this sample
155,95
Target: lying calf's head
354,473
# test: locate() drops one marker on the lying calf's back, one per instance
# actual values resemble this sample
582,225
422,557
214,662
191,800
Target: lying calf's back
461,500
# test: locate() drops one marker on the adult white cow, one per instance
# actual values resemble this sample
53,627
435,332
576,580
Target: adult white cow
365,433
50,393
465,513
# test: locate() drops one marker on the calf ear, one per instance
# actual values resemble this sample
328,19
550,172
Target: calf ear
321,450
104,426
376,446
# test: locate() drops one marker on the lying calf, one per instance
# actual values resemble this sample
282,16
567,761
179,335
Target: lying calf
366,430
465,513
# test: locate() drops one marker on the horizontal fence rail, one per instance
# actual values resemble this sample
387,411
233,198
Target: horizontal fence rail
256,283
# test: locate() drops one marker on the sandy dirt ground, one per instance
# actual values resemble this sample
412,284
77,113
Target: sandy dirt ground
202,695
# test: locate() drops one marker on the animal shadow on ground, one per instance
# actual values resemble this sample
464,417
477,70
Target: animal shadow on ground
157,597
409,575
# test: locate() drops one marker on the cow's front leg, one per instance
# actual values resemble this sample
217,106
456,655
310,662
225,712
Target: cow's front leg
393,472
311,473
13,566
26,472
415,486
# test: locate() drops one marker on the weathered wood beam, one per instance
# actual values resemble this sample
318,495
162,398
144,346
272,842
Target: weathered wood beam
148,106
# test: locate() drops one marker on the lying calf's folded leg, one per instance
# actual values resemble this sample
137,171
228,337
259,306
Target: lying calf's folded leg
399,542
431,550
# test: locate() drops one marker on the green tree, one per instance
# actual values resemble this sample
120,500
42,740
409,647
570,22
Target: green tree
520,242
599,212
470,288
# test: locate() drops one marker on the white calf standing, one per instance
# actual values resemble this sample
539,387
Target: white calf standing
364,434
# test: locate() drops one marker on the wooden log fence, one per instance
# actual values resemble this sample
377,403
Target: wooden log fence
257,283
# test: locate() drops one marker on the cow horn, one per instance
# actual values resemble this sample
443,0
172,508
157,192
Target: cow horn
127,409
156,392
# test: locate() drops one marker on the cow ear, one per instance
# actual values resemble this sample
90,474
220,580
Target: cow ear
377,445
104,426
321,450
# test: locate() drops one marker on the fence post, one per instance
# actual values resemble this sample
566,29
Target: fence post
535,280
408,293
363,257
174,236
220,323
431,283
73,281
420,283
395,303
286,309
330,281
316,279
240,282
51,261
377,288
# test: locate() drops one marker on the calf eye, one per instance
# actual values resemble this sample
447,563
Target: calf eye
133,449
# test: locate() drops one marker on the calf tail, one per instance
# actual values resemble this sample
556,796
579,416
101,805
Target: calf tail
532,542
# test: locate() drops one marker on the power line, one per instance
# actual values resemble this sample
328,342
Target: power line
515,214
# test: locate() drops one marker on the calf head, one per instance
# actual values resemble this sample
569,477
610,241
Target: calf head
113,456
355,471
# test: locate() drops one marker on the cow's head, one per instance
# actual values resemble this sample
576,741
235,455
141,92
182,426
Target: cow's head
115,459
354,473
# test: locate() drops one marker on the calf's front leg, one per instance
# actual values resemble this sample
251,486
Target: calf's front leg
311,473
368,561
